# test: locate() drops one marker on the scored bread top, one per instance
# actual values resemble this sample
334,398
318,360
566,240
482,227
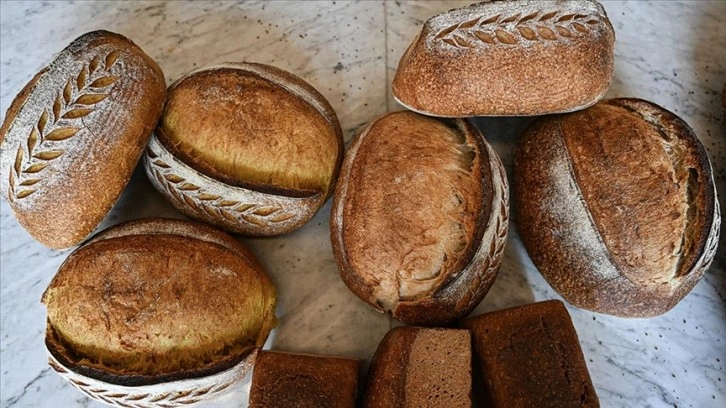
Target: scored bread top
508,58
72,137
648,207
253,125
410,211
142,307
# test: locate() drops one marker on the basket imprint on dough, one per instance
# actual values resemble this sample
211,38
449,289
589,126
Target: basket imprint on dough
510,30
76,100
141,399
213,205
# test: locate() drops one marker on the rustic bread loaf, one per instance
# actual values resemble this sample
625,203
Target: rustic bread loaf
287,380
246,147
418,367
530,356
617,206
420,217
507,58
158,300
72,137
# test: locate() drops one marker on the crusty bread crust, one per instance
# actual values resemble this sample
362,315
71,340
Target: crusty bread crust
73,136
123,313
420,217
507,58
612,231
246,189
283,379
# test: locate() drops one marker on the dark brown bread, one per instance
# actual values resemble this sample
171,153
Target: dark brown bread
420,367
419,218
72,137
287,380
616,206
508,57
530,356
125,308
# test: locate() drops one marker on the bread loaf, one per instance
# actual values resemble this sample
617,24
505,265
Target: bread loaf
617,206
530,356
417,367
285,380
507,58
246,147
72,137
154,302
419,218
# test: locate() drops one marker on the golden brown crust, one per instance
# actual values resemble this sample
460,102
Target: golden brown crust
282,380
246,147
126,306
508,58
530,356
613,232
74,135
407,369
418,207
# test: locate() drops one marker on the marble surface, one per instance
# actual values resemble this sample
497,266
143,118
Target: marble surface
672,53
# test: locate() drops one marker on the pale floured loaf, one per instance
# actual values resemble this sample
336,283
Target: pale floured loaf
419,217
74,134
617,206
246,147
507,58
158,300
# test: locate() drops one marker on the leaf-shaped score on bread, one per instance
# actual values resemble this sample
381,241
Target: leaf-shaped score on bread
511,30
76,100
215,206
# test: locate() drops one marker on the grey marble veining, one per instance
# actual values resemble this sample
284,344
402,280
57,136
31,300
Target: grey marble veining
672,53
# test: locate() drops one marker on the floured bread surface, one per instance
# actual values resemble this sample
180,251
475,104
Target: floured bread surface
641,185
156,305
73,136
411,205
244,129
508,58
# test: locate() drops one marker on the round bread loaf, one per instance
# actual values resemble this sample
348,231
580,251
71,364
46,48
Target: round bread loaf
158,300
507,58
246,147
617,206
420,217
73,136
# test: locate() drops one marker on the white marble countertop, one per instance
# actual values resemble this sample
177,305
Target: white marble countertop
672,53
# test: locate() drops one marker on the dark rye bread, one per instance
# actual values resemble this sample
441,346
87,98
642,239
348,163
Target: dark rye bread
420,217
530,356
418,367
617,206
288,380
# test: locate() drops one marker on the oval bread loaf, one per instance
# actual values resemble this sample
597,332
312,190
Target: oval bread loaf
507,58
617,206
158,300
419,218
73,136
246,147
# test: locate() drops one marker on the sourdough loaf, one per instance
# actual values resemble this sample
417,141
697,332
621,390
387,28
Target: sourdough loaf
291,380
416,367
508,57
530,356
419,217
246,147
617,206
72,137
158,300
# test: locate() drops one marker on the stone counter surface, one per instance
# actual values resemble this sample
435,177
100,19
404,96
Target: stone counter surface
672,53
